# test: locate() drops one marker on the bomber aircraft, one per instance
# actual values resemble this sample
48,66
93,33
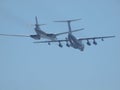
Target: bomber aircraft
40,33
72,41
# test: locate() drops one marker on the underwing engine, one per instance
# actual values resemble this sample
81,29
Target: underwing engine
88,43
60,45
94,42
36,37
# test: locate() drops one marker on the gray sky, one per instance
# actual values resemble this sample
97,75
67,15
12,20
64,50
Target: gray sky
28,66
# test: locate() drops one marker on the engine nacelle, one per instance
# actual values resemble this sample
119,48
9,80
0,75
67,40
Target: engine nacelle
94,42
49,43
88,43
67,44
60,45
102,39
36,37
51,35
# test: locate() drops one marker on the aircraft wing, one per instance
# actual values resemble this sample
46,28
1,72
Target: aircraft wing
50,41
13,35
66,40
93,38
68,32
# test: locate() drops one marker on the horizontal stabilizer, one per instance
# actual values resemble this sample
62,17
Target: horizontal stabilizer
40,24
68,20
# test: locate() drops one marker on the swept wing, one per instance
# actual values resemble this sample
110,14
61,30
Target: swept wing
92,38
14,35
66,40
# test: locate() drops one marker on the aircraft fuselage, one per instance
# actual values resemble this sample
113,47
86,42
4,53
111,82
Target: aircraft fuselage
75,43
42,34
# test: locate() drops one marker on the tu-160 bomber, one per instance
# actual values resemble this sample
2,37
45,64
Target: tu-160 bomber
40,33
72,41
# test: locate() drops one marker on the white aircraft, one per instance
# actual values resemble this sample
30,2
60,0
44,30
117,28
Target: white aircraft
72,41
40,33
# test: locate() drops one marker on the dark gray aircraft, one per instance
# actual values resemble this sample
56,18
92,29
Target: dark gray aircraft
72,41
40,33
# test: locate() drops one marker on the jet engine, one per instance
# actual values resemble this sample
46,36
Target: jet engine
51,35
67,44
102,39
49,43
60,45
88,43
94,42
36,37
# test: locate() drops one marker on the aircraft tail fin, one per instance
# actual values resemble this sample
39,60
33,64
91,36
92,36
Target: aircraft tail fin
37,24
69,23
36,20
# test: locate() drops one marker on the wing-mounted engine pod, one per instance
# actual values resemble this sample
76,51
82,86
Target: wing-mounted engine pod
67,44
94,42
88,43
102,39
36,37
60,45
51,35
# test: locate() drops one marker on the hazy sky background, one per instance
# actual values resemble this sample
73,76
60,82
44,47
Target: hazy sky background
28,66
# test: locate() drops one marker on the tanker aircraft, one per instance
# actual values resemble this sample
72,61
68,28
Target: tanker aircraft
72,41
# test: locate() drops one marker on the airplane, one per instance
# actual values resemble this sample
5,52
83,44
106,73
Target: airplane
40,33
72,41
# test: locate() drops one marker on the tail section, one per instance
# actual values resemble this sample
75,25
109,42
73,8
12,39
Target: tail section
37,24
69,23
